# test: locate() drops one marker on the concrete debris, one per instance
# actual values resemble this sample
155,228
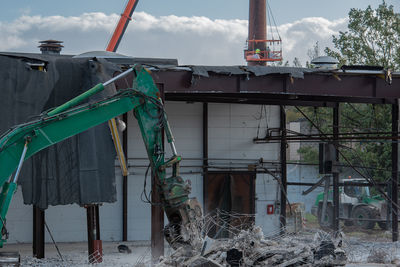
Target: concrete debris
251,248
379,255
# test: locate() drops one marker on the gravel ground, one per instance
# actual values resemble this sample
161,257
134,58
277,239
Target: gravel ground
75,254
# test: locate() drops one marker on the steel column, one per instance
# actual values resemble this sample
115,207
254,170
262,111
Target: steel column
38,232
335,175
125,182
93,231
283,169
205,147
157,212
395,167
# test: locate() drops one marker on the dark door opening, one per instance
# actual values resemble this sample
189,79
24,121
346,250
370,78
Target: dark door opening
229,197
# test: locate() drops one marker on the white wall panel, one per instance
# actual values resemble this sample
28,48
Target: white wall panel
231,131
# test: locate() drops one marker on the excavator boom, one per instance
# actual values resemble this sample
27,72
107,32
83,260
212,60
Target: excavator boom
23,141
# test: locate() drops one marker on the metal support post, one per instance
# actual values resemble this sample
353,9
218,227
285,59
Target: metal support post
38,232
95,252
157,213
325,201
125,182
283,169
395,167
157,223
335,216
205,147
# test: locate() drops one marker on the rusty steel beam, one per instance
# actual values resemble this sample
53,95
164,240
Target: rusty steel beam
125,182
157,222
283,170
314,87
336,123
38,233
205,148
395,177
271,99
95,253
157,212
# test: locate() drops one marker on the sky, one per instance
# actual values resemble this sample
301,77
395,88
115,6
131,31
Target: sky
206,32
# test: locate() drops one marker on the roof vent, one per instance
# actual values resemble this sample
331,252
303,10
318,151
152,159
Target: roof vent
50,47
325,62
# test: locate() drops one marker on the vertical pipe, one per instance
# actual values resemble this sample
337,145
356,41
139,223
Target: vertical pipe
93,231
205,148
157,213
335,216
257,26
90,230
38,232
97,219
157,222
125,182
395,181
283,169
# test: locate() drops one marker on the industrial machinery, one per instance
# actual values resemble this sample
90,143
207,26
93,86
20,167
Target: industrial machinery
22,141
357,206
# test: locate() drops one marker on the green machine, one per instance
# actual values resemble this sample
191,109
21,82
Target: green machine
22,141
357,207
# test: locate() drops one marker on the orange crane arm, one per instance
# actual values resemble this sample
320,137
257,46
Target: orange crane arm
112,47
122,25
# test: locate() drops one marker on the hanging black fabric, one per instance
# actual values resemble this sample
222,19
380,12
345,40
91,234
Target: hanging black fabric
80,169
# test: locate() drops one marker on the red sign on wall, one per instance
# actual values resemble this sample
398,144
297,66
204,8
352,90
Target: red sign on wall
270,209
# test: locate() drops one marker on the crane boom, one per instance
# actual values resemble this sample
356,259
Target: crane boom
122,25
112,47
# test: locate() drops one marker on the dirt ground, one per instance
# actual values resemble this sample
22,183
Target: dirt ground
75,254
363,248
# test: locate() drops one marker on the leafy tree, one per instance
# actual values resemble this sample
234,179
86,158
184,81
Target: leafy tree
373,38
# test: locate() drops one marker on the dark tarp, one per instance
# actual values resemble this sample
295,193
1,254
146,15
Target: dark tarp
80,169
246,70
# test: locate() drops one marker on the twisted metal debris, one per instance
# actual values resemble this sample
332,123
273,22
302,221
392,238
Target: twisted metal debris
236,241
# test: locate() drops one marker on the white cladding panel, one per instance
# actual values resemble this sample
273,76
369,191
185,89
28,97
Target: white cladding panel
232,128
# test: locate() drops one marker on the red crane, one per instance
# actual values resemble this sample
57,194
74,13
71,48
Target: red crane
122,25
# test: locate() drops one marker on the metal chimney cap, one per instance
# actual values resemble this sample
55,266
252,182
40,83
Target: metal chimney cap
325,62
50,47
51,41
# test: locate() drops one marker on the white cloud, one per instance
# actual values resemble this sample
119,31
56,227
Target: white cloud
193,40
302,35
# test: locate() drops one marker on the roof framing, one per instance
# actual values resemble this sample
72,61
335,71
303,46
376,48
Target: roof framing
315,89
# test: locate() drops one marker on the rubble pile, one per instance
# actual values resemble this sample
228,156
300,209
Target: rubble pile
251,248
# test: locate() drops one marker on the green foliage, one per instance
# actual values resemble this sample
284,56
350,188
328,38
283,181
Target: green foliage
373,38
356,118
292,114
309,154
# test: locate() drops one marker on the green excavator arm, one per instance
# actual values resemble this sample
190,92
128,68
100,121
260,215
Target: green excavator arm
22,141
